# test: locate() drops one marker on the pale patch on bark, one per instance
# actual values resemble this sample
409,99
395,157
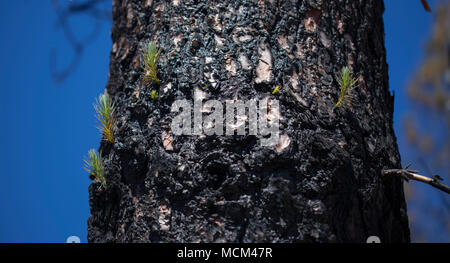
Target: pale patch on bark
299,51
300,100
262,5
199,94
245,38
350,58
311,20
283,142
231,12
311,44
273,113
136,62
176,40
208,60
148,3
219,41
362,84
167,87
139,27
122,229
209,76
283,41
308,76
291,38
159,10
264,68
167,141
350,41
122,48
294,80
241,34
340,26
176,2
126,49
216,24
164,217
181,167
325,40
235,35
230,66
136,92
161,7
370,146
114,48
241,10
130,16
310,24
150,123
244,61
137,210
392,159
137,213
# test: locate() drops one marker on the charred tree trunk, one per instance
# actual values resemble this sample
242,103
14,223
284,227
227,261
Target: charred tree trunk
323,180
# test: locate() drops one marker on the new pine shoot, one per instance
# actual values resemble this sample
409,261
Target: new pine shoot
347,83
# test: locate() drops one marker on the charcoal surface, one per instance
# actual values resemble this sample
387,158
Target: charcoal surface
323,185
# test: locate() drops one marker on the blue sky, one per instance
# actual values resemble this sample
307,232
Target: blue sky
47,129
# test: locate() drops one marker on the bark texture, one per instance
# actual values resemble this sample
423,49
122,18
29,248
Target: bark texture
323,185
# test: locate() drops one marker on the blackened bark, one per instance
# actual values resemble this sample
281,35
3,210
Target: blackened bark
324,186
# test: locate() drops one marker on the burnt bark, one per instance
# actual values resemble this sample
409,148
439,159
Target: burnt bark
325,185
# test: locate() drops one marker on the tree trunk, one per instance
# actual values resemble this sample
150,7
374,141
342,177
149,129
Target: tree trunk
321,183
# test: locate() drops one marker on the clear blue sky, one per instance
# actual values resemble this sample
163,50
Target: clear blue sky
47,129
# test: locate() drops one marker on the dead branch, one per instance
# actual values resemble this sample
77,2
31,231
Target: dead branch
64,12
405,173
426,6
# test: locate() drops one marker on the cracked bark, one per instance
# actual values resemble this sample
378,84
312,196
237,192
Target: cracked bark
321,184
